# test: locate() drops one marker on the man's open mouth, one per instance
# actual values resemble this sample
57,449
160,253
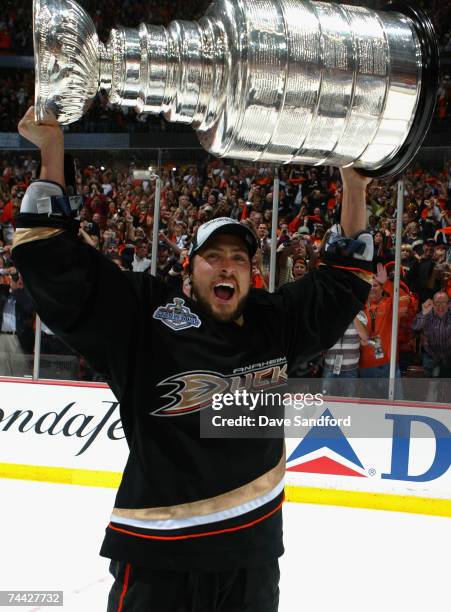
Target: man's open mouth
224,291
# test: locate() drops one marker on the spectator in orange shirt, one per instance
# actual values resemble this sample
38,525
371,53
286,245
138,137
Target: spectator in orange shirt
375,356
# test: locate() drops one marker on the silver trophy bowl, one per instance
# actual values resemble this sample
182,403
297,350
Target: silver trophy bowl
285,81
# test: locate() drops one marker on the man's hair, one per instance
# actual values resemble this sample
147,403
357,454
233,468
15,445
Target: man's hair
440,293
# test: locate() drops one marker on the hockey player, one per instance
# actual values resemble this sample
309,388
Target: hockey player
197,523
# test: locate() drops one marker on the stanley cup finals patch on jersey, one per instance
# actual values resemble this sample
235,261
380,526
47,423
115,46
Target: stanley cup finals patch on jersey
176,315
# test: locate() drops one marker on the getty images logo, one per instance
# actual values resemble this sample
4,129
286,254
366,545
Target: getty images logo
402,434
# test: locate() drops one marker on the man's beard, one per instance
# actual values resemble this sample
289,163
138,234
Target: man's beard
208,309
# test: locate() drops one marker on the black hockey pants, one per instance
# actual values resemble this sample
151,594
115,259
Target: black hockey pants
243,590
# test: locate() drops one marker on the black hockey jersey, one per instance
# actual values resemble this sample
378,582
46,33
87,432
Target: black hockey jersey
185,502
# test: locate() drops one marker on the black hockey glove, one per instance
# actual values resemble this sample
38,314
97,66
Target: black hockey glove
45,204
355,254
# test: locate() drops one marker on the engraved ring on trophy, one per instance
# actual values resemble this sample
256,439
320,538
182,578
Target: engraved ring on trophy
285,81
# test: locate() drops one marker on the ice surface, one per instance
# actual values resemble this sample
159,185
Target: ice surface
337,559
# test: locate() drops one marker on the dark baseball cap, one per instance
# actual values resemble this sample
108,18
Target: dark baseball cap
223,225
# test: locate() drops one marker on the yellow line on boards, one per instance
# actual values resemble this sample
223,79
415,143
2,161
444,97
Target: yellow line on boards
297,494
364,499
61,475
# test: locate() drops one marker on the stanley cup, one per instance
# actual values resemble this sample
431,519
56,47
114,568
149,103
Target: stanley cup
284,81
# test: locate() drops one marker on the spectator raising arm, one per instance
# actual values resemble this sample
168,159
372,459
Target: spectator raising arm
420,318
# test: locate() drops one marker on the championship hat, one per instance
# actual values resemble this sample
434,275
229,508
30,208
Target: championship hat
223,225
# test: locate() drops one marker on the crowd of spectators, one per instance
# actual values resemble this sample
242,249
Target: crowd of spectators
16,95
118,217
16,18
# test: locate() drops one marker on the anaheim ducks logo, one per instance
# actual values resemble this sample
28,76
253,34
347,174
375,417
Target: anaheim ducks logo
193,391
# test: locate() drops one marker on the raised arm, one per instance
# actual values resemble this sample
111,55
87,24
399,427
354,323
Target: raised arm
420,319
79,293
353,207
49,138
321,305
